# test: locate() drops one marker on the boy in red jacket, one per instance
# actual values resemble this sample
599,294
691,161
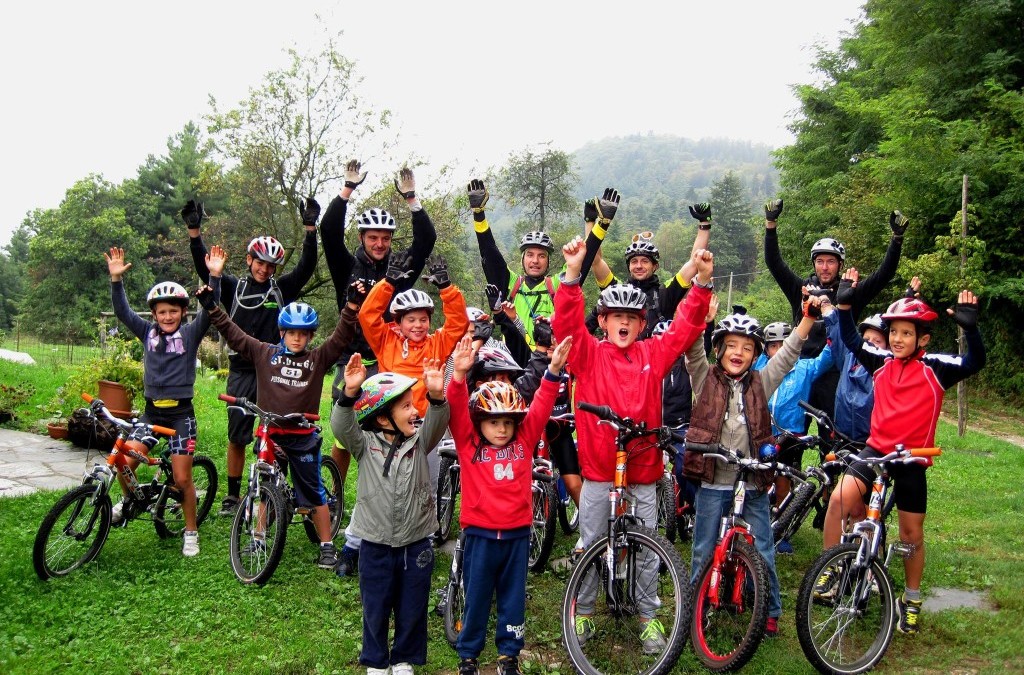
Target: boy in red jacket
495,436
627,375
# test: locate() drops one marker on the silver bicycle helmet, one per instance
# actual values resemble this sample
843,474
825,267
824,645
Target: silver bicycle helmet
167,291
875,322
830,246
661,327
410,300
738,324
376,219
642,247
536,238
777,331
622,298
266,249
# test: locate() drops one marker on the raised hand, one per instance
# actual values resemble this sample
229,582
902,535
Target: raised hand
463,357
405,183
914,289
494,295
712,309
309,209
965,312
704,260
433,378
845,294
607,205
116,264
772,210
398,267
204,294
812,306
478,195
542,333
560,355
355,374
353,177
898,223
509,308
192,214
215,260
701,211
573,252
590,211
437,272
356,293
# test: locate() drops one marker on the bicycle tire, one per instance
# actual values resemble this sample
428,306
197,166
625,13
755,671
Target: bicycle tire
542,532
75,525
614,646
334,496
792,517
168,514
666,491
726,638
861,623
258,564
447,491
456,604
568,516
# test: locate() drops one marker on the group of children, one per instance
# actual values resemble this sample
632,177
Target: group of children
394,402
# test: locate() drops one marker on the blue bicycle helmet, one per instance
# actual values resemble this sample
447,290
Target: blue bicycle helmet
298,316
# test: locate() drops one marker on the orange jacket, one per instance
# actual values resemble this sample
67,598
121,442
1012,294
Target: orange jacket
395,354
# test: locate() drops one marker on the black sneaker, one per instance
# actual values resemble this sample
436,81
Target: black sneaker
508,665
348,562
442,601
909,612
328,558
228,506
468,667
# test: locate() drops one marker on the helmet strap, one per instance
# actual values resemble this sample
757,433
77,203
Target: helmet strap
397,438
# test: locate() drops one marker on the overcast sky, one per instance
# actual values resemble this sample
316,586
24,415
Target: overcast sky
95,87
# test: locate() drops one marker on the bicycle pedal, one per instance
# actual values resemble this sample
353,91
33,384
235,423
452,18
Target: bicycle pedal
903,550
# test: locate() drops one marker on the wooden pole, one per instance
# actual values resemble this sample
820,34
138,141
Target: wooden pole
961,387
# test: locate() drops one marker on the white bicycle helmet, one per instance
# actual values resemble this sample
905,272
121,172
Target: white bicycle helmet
642,247
661,327
536,238
167,291
622,298
777,331
474,314
830,246
266,249
410,300
376,219
738,324
875,322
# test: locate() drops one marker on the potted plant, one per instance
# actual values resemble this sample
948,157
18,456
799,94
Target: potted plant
115,376
12,396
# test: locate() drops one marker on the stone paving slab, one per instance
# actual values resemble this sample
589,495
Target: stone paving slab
31,462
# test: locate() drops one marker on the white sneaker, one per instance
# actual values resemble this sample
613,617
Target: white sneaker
190,545
378,671
117,513
402,669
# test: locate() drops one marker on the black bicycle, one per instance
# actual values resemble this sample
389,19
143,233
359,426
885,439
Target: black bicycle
76,528
448,487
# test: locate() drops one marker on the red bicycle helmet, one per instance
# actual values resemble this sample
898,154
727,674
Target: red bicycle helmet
910,309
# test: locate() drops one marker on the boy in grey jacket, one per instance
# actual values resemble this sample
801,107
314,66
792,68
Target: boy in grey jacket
375,420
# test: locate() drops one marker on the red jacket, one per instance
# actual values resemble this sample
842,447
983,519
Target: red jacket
629,380
496,488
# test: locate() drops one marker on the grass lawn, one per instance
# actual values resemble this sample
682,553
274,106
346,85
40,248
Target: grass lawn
143,608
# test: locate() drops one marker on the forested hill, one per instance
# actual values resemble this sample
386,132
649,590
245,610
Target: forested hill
656,167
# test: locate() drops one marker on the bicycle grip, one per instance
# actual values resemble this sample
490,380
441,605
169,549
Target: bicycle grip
87,397
701,447
677,438
925,452
312,417
543,477
602,411
166,431
230,400
811,409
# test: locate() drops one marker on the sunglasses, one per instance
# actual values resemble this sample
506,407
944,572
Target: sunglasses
643,236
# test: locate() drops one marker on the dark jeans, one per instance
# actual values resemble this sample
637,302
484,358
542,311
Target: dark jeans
395,581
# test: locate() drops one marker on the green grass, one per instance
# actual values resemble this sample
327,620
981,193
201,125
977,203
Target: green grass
142,607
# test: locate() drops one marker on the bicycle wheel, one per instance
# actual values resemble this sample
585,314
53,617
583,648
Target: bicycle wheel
666,491
258,534
334,494
568,515
602,622
542,532
169,516
72,533
789,521
447,491
726,636
849,632
456,603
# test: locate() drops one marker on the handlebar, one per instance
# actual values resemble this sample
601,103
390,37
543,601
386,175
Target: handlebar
250,407
729,456
903,455
97,405
627,425
822,417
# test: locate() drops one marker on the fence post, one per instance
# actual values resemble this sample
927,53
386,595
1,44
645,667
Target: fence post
961,387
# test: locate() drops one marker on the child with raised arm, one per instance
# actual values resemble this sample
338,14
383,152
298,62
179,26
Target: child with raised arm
495,436
169,349
290,379
909,388
395,515
626,374
731,409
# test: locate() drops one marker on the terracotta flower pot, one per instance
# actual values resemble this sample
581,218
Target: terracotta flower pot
115,396
57,431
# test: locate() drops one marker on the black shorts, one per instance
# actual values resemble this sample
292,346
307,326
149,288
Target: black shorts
303,453
182,419
241,383
909,482
339,374
562,449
